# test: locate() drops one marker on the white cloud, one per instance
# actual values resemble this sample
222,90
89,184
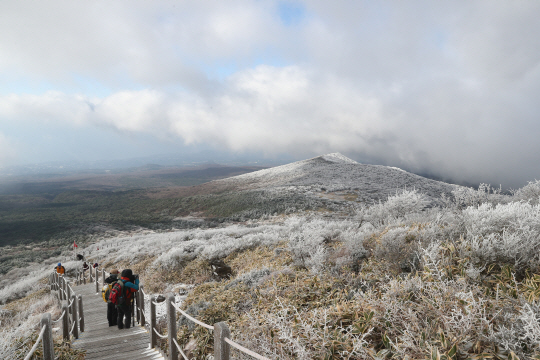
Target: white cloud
448,88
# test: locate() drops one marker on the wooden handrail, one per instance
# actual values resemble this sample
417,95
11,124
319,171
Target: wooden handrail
65,292
244,350
222,334
222,340
40,337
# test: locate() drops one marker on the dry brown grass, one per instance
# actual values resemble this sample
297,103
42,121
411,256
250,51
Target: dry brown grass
20,304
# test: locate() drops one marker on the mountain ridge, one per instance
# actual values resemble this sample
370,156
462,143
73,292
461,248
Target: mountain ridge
335,172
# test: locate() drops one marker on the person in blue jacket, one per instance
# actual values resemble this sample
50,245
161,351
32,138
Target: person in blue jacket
131,285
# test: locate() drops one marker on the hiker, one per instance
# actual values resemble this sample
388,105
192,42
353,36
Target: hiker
85,266
112,313
60,270
95,265
128,284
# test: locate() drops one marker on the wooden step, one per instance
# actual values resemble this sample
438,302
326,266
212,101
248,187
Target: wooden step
104,342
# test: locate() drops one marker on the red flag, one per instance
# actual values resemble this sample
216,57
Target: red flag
74,245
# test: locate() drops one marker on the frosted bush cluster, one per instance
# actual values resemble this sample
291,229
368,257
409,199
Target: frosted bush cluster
464,197
250,279
529,193
396,207
303,334
504,233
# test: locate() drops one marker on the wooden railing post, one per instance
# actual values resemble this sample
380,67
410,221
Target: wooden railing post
81,313
171,314
141,306
153,336
68,290
103,275
137,306
74,316
84,277
65,322
61,288
221,348
97,280
48,345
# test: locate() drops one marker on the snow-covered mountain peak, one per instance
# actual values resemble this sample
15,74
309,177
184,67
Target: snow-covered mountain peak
337,158
336,172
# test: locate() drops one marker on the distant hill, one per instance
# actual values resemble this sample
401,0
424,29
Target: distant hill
332,173
331,183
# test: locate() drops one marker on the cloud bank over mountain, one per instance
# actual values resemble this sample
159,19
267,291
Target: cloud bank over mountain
447,89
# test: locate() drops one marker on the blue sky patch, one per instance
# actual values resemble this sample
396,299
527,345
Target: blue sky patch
291,13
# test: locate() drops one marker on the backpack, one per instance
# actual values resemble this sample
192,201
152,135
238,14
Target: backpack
106,291
117,295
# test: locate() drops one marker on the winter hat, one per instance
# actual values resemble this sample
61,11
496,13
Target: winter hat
114,272
59,264
127,273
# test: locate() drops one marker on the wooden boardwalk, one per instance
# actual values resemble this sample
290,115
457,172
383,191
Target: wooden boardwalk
102,342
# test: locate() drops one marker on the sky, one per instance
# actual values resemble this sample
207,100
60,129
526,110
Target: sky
446,88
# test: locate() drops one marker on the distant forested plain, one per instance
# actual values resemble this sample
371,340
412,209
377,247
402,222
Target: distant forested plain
48,215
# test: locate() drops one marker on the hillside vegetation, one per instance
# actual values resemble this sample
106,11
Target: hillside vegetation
53,214
412,277
398,280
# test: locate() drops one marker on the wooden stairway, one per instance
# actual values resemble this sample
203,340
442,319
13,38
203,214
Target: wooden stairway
102,342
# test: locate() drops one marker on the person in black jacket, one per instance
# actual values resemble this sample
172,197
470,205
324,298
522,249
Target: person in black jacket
131,285
112,313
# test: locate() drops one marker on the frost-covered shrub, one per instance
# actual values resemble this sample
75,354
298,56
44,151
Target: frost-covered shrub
395,207
250,279
301,334
221,248
516,249
304,245
352,253
464,197
505,233
529,193
446,307
488,219
516,332
530,321
398,246
317,260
